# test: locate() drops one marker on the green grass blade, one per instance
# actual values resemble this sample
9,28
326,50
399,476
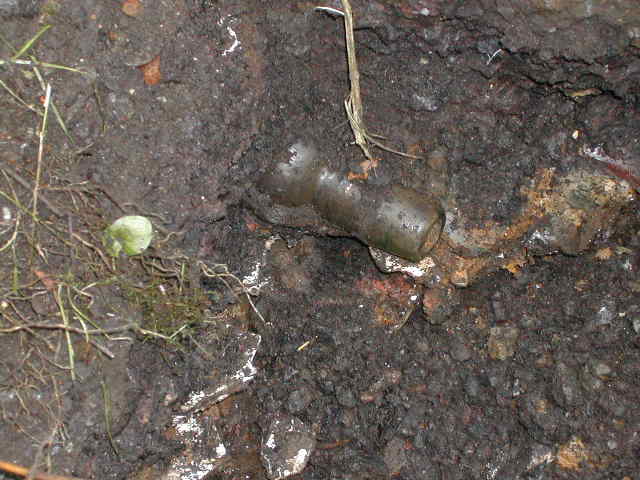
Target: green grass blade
25,48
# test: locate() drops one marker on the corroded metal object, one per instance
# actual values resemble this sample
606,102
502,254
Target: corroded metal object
395,219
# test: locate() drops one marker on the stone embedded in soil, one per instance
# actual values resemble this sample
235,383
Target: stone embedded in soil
613,403
605,314
395,457
233,372
498,308
460,351
502,342
299,400
439,303
141,34
389,377
388,263
601,369
203,447
590,382
345,397
539,415
566,389
286,447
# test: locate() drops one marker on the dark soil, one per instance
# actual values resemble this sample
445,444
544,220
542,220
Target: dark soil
514,354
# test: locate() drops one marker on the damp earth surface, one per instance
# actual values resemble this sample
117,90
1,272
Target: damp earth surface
256,338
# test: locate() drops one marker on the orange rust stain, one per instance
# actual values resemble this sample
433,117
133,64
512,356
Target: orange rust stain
572,454
365,165
396,287
515,264
151,71
604,254
132,8
539,201
48,282
251,225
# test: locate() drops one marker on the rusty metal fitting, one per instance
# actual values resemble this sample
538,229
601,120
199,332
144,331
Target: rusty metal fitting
396,219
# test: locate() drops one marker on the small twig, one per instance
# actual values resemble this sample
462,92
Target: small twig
91,246
30,327
151,333
491,57
13,237
17,312
79,331
20,471
332,445
40,452
619,168
20,100
224,272
18,178
84,319
332,11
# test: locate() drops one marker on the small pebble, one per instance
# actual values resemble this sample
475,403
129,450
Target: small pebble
459,351
502,342
601,369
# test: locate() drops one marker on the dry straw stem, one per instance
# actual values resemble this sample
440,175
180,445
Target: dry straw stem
353,102
16,229
18,99
35,63
43,130
29,43
65,319
106,399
